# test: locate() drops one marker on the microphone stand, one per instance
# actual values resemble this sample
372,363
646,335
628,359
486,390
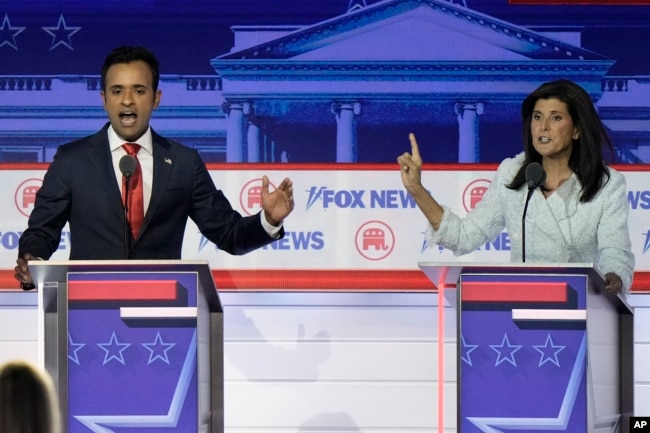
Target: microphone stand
523,225
127,228
535,176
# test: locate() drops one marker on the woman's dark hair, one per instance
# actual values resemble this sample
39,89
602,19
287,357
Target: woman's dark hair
128,54
586,159
28,403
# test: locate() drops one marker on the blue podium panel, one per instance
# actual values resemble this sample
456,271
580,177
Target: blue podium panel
540,347
132,352
132,345
522,353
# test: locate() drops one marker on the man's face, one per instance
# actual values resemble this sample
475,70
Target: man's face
129,98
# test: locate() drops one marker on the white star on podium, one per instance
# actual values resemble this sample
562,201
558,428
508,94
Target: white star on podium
114,350
158,349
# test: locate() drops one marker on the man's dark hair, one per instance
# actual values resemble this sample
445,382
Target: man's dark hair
128,54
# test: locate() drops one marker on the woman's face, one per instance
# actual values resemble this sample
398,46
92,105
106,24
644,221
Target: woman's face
552,129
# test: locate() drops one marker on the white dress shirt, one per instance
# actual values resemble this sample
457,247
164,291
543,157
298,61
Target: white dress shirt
145,157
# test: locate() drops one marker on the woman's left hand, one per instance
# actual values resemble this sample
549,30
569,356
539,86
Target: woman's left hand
613,283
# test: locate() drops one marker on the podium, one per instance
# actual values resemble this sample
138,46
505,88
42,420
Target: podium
538,347
132,345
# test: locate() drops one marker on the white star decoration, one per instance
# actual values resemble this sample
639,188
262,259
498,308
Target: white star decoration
561,421
508,349
466,350
114,350
61,34
74,348
106,423
549,352
8,33
158,349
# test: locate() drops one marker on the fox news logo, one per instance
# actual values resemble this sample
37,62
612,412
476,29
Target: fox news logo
299,241
639,199
9,240
359,199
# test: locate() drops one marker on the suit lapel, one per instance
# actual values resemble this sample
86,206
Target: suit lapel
563,204
101,164
163,163
552,217
543,232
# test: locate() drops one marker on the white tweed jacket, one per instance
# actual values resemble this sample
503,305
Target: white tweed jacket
559,229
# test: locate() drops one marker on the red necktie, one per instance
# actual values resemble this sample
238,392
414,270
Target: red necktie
135,204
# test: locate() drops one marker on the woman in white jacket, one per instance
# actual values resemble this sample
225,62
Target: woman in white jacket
578,214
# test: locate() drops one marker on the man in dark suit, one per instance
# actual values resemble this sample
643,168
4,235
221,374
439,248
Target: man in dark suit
84,185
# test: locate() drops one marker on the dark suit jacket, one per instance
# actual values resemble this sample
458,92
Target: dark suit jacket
80,188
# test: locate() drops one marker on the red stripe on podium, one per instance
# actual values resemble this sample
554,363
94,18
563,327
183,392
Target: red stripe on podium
513,291
309,280
122,290
322,280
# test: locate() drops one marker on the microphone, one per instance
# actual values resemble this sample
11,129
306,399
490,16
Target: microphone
128,165
535,176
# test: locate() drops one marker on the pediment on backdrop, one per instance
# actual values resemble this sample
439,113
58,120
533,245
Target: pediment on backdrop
413,30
